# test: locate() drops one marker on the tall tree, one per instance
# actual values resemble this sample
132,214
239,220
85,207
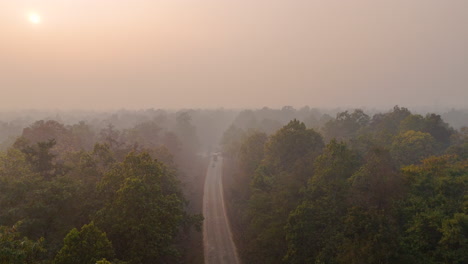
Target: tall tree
314,227
370,225
143,211
411,146
289,155
435,209
346,125
17,250
85,246
252,151
39,155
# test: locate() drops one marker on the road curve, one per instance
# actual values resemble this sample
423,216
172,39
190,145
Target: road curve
217,237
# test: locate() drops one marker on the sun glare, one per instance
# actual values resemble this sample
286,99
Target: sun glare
34,18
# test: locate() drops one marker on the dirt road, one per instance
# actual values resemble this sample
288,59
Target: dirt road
217,237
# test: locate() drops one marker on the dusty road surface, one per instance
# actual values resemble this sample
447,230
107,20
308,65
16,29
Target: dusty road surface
217,237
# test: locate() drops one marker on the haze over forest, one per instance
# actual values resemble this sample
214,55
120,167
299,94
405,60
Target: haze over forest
113,54
233,131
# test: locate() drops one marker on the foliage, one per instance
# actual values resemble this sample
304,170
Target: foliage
346,125
39,156
289,154
370,225
47,208
411,146
432,124
53,192
17,250
143,211
379,192
314,225
435,209
252,151
354,203
85,246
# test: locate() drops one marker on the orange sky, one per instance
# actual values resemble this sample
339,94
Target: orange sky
222,53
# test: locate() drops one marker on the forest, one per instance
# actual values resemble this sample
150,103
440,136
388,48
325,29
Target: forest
384,188
233,132
118,188
301,185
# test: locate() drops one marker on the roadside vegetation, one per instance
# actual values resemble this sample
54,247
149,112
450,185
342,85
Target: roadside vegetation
302,186
387,188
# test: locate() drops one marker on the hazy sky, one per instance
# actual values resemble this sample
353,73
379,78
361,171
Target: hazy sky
103,54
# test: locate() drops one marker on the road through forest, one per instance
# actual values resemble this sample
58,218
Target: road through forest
218,244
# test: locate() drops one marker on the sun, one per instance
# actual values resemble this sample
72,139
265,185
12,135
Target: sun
34,18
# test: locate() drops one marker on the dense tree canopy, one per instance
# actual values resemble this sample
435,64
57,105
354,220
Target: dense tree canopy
85,246
143,209
381,191
288,156
15,249
301,186
57,178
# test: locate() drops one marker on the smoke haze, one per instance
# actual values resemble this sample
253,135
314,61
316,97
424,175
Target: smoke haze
173,54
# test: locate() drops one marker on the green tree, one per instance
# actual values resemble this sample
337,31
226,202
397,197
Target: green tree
88,245
382,128
370,225
18,184
314,227
435,208
459,144
346,125
413,122
252,151
389,123
111,136
251,154
83,136
146,134
40,156
288,163
454,241
17,250
411,146
45,131
440,130
290,145
47,208
143,211
432,124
